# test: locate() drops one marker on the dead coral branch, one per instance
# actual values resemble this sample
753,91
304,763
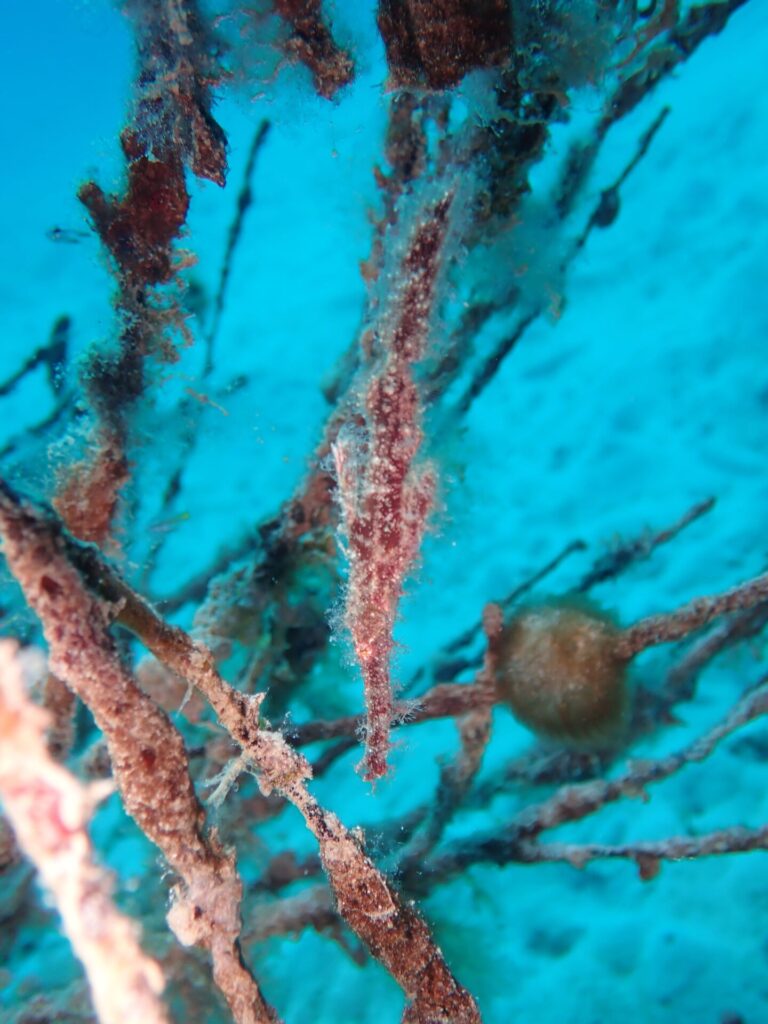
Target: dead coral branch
50,811
37,551
149,760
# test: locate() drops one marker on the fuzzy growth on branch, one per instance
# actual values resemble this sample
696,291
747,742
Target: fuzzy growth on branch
171,130
385,497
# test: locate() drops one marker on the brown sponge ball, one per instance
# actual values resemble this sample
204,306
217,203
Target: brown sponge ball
559,672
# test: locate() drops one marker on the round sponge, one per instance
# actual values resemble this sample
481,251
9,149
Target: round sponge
559,672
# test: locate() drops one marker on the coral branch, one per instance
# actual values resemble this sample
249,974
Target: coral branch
148,757
625,553
680,682
50,810
89,492
573,803
52,356
171,129
474,729
385,498
390,927
663,629
244,200
446,700
648,855
312,908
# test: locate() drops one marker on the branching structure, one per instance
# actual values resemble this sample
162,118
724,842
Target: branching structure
478,90
147,754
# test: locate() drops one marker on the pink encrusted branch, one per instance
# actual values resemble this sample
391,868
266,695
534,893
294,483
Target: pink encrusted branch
385,497
149,760
49,810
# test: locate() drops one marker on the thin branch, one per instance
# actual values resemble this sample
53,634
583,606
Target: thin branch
648,855
573,803
52,355
244,200
680,682
626,553
671,626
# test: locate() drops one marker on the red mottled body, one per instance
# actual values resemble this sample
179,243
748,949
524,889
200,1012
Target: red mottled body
386,499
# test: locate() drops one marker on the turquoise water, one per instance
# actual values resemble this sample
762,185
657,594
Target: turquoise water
640,390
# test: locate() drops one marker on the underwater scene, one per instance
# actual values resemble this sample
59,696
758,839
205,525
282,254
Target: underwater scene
383,489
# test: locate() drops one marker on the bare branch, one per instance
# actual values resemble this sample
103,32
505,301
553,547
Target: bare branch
648,855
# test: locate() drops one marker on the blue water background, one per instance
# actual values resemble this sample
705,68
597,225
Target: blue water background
646,393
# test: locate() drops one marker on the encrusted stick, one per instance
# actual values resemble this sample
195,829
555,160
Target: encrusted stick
149,760
49,810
